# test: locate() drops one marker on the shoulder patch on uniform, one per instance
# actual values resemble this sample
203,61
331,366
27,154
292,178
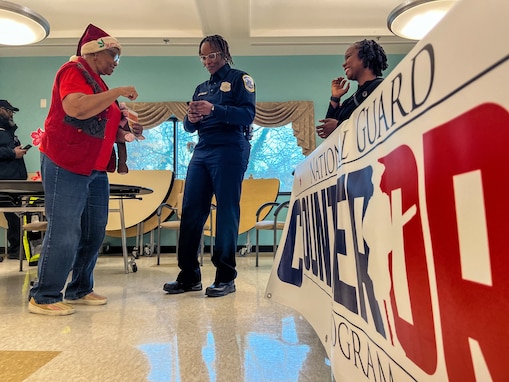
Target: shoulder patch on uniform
248,83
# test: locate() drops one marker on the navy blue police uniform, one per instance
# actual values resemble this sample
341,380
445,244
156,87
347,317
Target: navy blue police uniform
217,167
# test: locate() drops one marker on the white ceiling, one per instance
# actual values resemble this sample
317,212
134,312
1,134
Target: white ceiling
252,27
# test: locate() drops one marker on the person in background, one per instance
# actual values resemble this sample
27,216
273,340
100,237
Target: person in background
222,111
76,147
12,167
364,62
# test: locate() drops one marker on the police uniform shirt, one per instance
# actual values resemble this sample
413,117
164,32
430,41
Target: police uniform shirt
232,92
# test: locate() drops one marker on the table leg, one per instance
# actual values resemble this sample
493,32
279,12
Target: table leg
21,251
124,239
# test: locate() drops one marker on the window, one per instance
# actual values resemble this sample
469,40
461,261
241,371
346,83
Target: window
274,152
156,151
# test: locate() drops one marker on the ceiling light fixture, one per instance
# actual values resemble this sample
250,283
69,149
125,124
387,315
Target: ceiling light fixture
413,19
20,25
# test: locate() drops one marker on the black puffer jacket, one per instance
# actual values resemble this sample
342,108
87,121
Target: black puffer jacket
10,167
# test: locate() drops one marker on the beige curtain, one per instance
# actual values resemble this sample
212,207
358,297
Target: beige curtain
300,113
268,114
152,114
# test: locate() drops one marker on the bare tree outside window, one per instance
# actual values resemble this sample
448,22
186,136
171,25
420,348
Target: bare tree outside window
274,152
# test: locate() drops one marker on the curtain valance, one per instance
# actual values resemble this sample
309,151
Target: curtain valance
268,114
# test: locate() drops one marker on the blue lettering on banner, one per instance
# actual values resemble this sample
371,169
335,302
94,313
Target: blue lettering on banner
314,212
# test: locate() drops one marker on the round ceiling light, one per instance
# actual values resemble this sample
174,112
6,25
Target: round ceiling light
413,19
20,25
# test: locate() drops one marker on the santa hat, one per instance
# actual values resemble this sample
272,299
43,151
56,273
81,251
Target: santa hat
94,40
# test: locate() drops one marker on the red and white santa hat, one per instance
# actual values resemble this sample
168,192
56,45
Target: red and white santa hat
94,40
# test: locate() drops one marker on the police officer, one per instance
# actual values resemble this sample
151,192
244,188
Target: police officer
12,167
222,111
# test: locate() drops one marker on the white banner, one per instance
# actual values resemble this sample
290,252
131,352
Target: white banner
396,243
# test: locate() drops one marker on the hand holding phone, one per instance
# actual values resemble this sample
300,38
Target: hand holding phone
26,147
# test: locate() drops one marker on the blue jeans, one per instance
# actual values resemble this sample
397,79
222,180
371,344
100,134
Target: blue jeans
77,212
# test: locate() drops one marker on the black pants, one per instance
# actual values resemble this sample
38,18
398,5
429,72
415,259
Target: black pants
13,233
215,169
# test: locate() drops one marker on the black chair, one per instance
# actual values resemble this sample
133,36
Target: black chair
269,224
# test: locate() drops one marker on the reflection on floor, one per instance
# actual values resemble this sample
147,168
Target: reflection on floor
143,334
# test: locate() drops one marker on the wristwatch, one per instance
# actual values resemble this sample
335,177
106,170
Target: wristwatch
334,99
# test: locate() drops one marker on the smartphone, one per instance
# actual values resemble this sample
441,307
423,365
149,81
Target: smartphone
27,147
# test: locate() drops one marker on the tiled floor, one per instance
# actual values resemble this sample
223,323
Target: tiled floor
143,334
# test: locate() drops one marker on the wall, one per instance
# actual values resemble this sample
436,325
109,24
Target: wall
24,81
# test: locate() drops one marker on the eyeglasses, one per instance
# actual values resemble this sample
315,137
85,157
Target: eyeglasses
114,55
7,110
210,56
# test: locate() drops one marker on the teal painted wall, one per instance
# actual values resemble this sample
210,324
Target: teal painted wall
24,81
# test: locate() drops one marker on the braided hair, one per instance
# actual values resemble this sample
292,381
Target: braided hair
218,42
372,55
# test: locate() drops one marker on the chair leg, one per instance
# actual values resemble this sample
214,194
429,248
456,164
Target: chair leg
257,245
158,244
211,244
202,245
211,230
274,248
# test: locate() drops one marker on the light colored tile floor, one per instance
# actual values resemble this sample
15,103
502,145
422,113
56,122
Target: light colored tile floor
143,334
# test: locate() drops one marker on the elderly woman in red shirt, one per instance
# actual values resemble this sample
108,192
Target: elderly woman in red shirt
76,147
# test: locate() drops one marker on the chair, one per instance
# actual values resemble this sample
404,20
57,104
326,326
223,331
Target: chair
38,225
29,227
269,224
175,225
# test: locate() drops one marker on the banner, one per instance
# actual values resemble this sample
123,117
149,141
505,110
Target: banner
396,242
